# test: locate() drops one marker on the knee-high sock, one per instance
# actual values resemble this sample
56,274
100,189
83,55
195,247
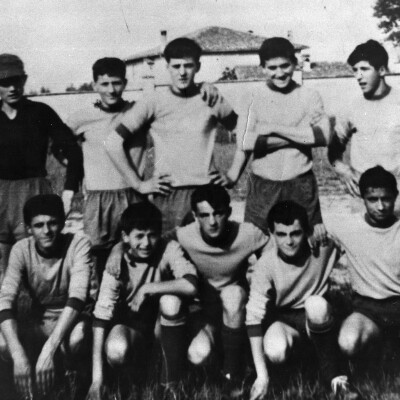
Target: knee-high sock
325,341
174,349
233,340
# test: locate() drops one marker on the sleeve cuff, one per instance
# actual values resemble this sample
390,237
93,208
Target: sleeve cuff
254,330
192,279
319,137
100,323
75,303
6,314
123,131
230,121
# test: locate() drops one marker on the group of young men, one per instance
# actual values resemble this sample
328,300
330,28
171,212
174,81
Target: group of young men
162,254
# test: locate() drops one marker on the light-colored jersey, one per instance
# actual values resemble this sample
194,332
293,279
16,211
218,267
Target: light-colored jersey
374,129
123,277
276,283
183,130
225,265
93,125
51,282
290,109
373,254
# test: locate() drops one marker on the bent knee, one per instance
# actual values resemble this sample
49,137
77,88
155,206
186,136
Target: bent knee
278,351
199,352
170,306
78,337
116,352
233,299
318,310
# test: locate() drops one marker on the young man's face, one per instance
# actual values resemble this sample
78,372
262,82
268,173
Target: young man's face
46,231
379,203
290,239
110,89
213,222
12,89
182,72
369,78
279,71
142,242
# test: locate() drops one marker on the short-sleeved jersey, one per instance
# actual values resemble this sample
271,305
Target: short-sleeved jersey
278,284
373,254
290,109
225,265
183,129
123,277
51,282
93,124
374,128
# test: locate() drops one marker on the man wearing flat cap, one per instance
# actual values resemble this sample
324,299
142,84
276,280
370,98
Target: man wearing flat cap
26,128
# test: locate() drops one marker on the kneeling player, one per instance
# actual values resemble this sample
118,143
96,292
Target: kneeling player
288,302
139,270
220,249
55,269
372,245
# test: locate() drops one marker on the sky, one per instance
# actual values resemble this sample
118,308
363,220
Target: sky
60,39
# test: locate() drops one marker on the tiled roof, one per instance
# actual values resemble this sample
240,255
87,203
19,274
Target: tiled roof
216,40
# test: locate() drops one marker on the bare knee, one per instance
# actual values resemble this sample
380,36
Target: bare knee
318,310
170,306
278,349
116,351
354,336
233,300
78,337
199,351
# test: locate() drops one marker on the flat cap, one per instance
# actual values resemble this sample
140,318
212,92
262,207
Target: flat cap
10,66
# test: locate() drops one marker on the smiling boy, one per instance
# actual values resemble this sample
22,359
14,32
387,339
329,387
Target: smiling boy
284,122
55,269
183,129
371,120
372,244
288,301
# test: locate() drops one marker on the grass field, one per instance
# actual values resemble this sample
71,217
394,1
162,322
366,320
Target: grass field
297,382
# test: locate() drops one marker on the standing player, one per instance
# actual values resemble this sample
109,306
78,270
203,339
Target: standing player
288,301
108,192
140,270
183,129
220,249
284,122
371,121
372,245
55,269
26,127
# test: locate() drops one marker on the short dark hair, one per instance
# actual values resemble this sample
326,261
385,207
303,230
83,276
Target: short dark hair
377,177
371,51
286,212
143,215
182,47
110,66
215,195
276,47
44,204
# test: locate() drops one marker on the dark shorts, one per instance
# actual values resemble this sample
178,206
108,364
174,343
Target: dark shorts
385,313
263,194
102,212
296,319
14,195
175,207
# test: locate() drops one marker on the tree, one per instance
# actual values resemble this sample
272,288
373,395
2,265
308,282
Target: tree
44,90
71,88
85,87
388,11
